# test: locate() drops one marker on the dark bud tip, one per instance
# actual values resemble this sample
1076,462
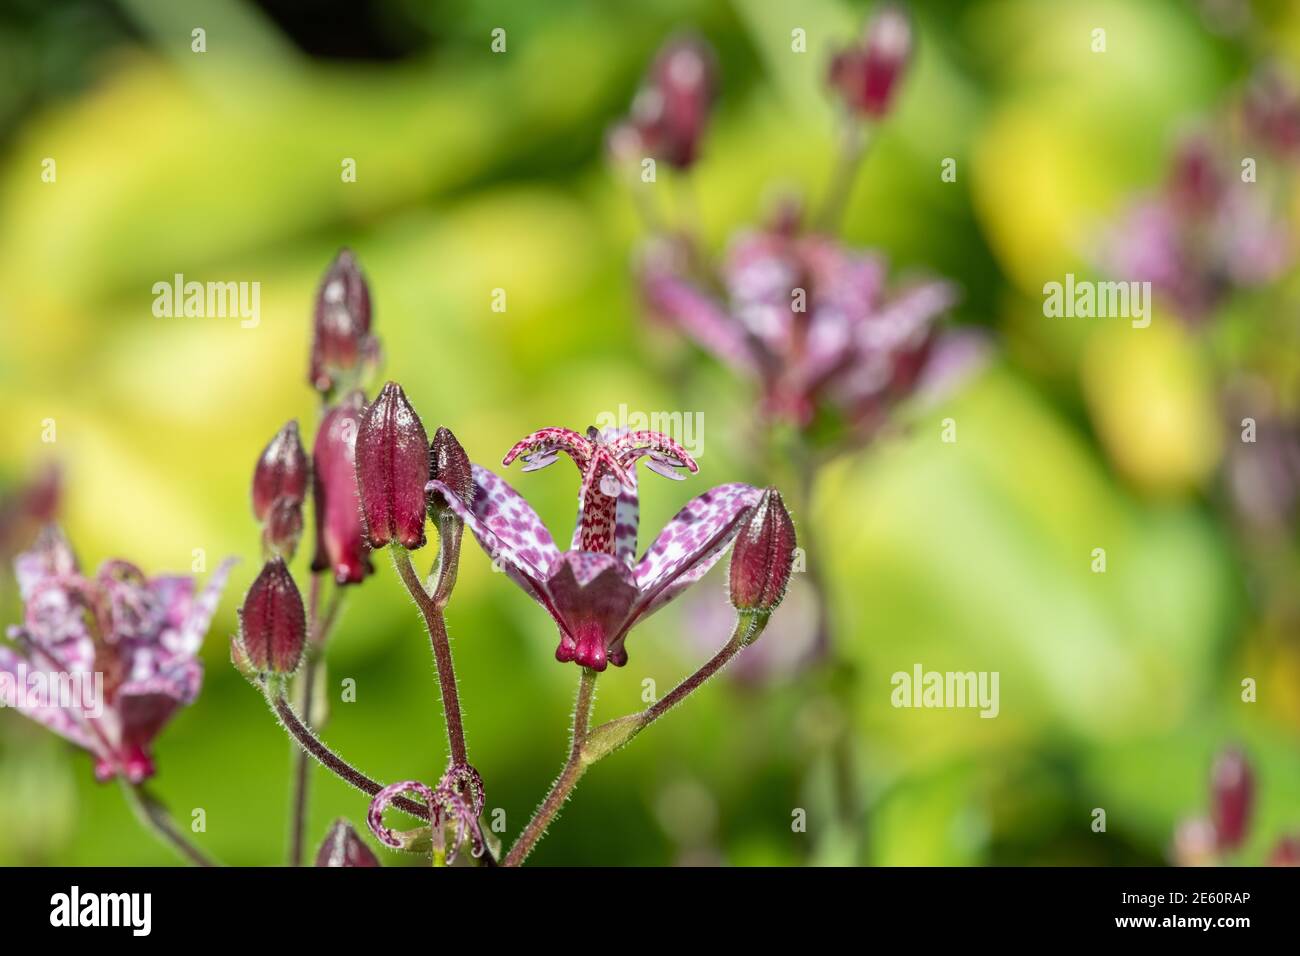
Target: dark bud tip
392,458
341,340
282,471
1232,797
763,558
449,464
671,112
273,622
342,847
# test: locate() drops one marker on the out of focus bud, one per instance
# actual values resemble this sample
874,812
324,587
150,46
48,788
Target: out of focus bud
340,539
867,75
283,528
1232,795
763,556
449,464
342,847
281,472
1195,182
1270,110
273,622
341,341
392,470
1194,843
671,110
1286,853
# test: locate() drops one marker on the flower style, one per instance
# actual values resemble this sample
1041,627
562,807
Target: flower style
809,319
142,635
596,591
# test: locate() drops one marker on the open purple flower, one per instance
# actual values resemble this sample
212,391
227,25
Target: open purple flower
1200,237
809,319
106,661
597,591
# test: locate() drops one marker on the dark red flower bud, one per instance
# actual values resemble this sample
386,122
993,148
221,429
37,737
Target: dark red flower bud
764,556
341,340
671,111
866,76
340,539
1232,796
283,528
342,847
449,464
282,471
273,623
392,470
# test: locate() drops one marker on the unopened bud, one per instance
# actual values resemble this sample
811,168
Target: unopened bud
283,528
763,557
342,847
671,111
282,471
449,464
273,622
1232,797
340,539
867,76
341,340
392,457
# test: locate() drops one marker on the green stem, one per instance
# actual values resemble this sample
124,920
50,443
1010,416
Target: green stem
155,818
573,770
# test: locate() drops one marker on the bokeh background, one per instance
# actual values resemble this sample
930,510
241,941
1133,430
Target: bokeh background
477,171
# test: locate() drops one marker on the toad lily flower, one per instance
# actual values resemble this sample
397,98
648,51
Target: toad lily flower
597,590
133,640
810,320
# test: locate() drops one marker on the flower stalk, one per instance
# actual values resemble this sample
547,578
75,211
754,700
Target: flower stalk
155,818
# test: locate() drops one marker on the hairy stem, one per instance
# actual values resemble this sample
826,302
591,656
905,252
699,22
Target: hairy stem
328,759
155,818
747,628
431,606
569,776
318,629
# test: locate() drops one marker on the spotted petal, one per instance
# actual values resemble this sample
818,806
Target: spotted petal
507,528
691,543
66,722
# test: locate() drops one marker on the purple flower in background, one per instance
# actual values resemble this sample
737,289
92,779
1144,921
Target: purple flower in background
597,591
1203,235
115,653
809,319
